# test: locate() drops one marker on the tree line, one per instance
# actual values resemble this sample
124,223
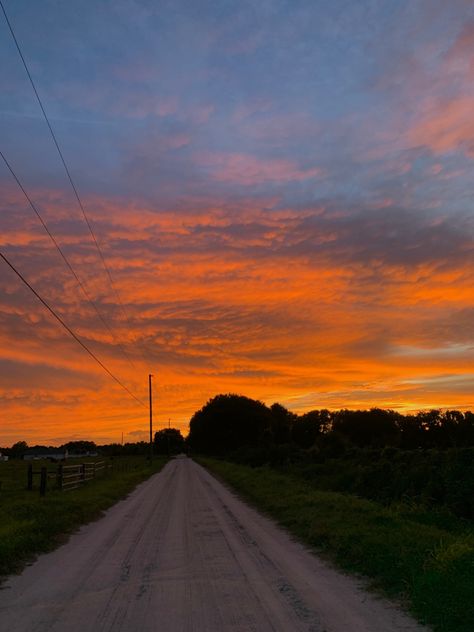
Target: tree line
231,422
425,458
168,441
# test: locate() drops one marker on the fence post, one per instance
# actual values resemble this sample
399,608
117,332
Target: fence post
44,476
59,476
83,472
29,484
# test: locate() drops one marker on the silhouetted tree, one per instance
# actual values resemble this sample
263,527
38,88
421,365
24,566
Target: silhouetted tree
117,449
17,449
448,435
374,427
430,421
309,426
169,441
411,432
465,430
229,422
79,447
282,421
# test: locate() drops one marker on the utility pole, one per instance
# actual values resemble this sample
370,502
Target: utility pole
151,417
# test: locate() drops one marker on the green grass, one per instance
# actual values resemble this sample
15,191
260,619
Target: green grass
32,524
423,559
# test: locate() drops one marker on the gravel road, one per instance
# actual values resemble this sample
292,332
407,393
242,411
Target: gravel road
182,553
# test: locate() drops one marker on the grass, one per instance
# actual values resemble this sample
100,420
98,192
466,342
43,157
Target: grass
32,524
425,559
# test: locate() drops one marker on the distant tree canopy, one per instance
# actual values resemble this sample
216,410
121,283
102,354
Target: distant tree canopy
79,447
17,449
117,449
229,422
169,441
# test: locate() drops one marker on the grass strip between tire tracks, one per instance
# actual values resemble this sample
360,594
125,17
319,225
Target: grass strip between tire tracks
424,559
32,524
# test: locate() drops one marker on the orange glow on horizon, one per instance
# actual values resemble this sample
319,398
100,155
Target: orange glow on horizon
207,318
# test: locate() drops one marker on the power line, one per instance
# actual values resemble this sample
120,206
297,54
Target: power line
66,168
68,329
65,259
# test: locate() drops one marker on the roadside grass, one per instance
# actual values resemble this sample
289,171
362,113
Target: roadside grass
424,559
32,524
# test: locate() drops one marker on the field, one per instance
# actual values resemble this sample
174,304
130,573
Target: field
423,558
33,524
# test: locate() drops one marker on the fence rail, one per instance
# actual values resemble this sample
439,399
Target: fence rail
66,477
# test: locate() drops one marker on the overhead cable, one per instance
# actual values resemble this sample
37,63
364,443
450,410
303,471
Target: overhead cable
68,329
66,168
65,259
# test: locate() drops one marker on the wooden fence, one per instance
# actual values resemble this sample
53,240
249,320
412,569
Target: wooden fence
66,477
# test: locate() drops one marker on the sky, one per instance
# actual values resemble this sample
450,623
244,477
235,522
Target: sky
283,194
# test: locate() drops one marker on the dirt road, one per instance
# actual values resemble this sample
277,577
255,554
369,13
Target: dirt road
182,553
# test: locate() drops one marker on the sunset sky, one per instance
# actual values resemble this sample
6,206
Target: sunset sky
283,192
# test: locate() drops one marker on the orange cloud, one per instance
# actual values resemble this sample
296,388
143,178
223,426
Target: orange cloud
444,122
276,303
447,126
